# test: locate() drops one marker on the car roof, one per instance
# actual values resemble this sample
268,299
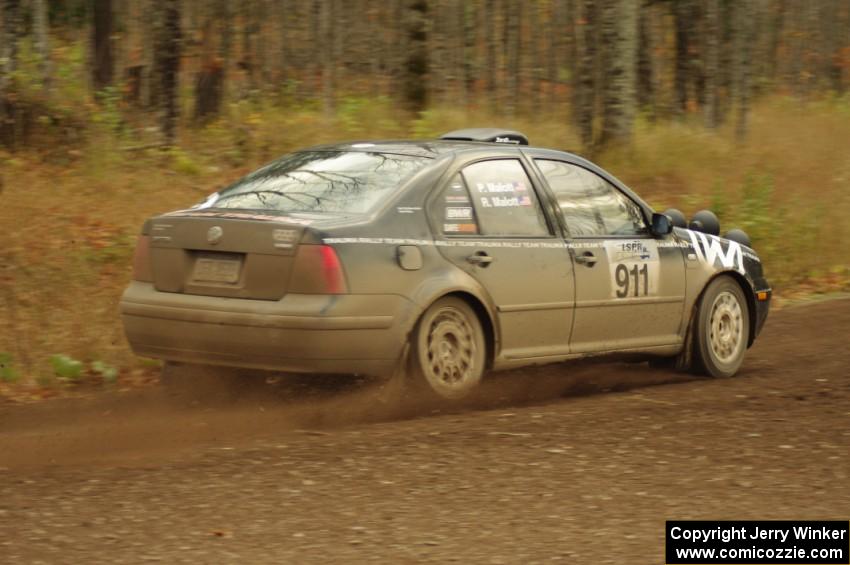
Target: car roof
431,148
414,148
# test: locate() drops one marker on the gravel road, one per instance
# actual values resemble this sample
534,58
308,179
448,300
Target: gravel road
570,463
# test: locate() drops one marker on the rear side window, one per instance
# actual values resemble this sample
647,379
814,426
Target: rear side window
504,200
320,181
590,205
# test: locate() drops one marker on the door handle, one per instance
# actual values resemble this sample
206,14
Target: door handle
480,258
586,258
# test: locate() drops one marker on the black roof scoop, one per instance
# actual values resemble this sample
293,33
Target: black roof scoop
489,135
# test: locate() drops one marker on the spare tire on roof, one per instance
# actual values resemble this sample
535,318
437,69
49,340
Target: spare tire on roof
739,236
677,218
706,222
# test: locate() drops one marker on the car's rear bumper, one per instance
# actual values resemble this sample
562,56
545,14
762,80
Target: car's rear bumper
362,334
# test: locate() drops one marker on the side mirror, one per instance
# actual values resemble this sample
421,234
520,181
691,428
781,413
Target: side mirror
661,224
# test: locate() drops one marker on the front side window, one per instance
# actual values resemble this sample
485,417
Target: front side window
504,199
320,181
590,205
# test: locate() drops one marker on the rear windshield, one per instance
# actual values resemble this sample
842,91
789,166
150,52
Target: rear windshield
320,181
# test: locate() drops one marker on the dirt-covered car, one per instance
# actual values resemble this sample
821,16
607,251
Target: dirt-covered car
445,258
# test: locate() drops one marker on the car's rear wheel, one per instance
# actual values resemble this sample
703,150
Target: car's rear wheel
722,328
448,351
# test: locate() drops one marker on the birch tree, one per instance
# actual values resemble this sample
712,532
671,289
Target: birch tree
619,37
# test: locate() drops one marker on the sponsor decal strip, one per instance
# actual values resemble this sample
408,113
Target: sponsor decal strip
487,243
710,252
709,249
451,243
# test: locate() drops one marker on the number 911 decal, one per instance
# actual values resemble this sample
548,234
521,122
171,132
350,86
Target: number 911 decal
634,267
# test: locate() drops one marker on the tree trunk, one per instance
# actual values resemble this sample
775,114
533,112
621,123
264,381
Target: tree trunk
396,46
210,77
327,16
584,108
464,52
246,61
167,55
9,35
513,24
744,28
285,54
712,62
726,73
645,64
697,45
619,37
415,83
794,68
777,26
225,46
437,38
148,83
103,59
42,40
681,15
555,37
491,70
569,49
534,60
264,21
836,24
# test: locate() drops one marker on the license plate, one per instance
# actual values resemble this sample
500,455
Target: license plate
216,270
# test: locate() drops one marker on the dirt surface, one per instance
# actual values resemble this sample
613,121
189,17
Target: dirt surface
580,464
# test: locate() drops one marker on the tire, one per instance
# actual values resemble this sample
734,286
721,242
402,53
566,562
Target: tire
722,329
448,351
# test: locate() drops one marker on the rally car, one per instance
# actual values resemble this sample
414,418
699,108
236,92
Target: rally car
443,259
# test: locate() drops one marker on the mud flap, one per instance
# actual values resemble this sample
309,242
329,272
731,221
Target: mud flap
684,361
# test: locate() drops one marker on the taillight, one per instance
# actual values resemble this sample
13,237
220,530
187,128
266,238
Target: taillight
317,270
142,260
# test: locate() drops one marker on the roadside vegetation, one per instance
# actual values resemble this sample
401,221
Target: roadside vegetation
111,113
70,214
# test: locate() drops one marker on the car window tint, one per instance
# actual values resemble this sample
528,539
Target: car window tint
590,205
457,217
320,181
504,199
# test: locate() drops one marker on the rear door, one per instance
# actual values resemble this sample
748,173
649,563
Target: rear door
630,286
491,225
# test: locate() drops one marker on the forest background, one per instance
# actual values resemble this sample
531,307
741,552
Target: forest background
114,110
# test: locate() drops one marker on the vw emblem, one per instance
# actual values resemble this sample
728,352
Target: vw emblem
214,234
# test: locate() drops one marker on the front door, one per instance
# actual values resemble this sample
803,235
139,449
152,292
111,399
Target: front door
494,229
630,286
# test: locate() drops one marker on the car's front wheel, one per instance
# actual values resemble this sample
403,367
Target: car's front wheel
448,350
722,328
